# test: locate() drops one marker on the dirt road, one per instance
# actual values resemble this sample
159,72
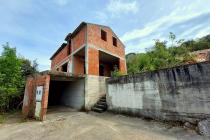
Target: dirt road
66,124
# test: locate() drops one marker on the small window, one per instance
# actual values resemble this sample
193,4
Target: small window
114,41
64,67
103,35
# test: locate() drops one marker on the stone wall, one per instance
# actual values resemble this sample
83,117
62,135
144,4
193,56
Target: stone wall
181,93
95,88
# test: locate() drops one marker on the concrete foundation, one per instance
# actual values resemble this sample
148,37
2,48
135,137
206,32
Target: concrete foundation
95,88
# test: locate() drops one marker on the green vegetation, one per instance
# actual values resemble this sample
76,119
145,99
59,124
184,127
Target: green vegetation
13,72
116,72
166,54
2,119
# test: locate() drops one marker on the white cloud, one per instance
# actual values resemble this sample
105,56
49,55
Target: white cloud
117,7
140,46
203,32
190,31
180,14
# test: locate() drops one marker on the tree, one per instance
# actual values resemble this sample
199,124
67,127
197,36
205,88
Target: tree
13,73
11,80
28,67
160,56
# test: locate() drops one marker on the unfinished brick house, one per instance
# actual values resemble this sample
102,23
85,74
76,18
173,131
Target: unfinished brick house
78,71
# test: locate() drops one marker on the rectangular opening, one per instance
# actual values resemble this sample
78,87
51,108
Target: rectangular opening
65,67
67,93
107,63
103,35
114,41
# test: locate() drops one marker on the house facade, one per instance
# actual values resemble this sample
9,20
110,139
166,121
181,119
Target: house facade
91,49
79,69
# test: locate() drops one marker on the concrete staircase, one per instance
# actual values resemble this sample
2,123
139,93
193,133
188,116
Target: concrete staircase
100,106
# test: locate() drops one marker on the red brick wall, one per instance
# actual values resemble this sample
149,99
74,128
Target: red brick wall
77,42
79,39
60,56
122,66
29,103
46,83
93,61
94,37
78,65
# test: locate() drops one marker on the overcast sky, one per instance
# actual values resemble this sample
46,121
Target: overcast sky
38,27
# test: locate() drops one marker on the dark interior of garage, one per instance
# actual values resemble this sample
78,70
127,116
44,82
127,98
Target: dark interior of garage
66,93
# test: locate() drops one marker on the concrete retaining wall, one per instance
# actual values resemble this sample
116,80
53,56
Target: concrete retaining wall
181,93
95,88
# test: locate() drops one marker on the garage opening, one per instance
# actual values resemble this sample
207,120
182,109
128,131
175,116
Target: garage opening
67,93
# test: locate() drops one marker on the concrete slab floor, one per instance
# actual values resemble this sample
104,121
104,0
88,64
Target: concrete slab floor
68,124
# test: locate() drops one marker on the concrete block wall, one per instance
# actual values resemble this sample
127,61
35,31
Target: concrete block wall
73,95
95,88
180,93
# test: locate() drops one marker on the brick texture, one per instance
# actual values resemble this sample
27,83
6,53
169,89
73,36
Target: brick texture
78,40
93,61
60,56
94,38
122,67
78,65
29,102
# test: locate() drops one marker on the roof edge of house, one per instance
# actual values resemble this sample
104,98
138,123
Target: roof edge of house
73,34
58,50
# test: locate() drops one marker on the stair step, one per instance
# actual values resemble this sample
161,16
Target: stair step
101,106
96,109
101,103
103,100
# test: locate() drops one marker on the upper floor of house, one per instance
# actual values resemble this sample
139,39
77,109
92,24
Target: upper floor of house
80,46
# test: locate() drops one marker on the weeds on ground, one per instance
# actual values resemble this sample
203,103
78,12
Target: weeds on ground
2,118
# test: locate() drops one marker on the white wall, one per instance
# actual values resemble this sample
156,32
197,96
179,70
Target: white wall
74,94
180,93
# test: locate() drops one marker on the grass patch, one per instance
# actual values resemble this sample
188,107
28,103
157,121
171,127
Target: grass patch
2,118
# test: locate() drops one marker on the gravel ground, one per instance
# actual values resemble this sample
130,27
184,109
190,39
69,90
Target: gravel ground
67,124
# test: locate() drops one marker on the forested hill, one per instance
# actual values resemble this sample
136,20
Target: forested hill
199,44
166,54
